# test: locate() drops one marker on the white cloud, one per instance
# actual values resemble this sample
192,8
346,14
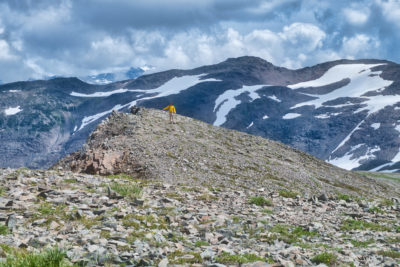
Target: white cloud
305,36
390,10
360,45
356,17
5,52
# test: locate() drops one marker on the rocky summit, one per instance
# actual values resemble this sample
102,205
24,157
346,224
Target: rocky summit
144,192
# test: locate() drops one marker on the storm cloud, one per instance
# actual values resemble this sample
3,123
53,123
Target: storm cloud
72,38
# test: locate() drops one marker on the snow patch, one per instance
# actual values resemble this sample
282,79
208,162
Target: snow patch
100,94
75,128
227,101
12,111
273,97
363,80
251,124
289,116
265,117
326,115
349,162
14,91
376,126
397,128
89,119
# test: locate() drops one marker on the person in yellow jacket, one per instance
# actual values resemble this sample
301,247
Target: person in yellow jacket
171,110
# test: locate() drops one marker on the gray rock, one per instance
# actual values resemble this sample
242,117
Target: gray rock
163,263
11,221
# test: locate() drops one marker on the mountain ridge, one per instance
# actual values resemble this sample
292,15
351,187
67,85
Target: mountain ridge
247,94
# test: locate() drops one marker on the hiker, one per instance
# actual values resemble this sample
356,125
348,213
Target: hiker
171,110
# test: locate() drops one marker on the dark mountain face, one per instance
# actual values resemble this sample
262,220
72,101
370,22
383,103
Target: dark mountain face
346,112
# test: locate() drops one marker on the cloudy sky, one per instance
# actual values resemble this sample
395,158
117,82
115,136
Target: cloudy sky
72,37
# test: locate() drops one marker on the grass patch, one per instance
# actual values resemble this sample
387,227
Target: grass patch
287,194
175,196
343,197
375,210
201,243
2,190
267,211
326,258
361,244
260,201
70,181
387,202
286,234
380,175
181,257
226,258
127,190
3,230
389,253
352,224
48,258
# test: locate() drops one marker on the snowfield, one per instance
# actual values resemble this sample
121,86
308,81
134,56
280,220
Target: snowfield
12,111
349,161
290,116
227,101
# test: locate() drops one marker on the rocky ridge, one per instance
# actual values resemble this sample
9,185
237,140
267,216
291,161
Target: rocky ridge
146,145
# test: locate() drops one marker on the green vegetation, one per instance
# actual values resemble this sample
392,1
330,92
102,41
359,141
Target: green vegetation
287,194
326,258
201,243
361,244
71,181
2,191
375,210
3,230
344,197
180,257
389,253
127,190
48,258
260,201
381,175
226,258
352,224
387,202
286,234
267,211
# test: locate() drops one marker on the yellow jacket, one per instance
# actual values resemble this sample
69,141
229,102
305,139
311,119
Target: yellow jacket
171,109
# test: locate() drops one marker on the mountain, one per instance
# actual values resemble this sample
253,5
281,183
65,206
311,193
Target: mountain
110,77
194,194
345,112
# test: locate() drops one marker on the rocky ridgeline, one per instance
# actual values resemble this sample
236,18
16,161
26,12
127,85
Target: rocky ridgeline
144,145
115,220
193,194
